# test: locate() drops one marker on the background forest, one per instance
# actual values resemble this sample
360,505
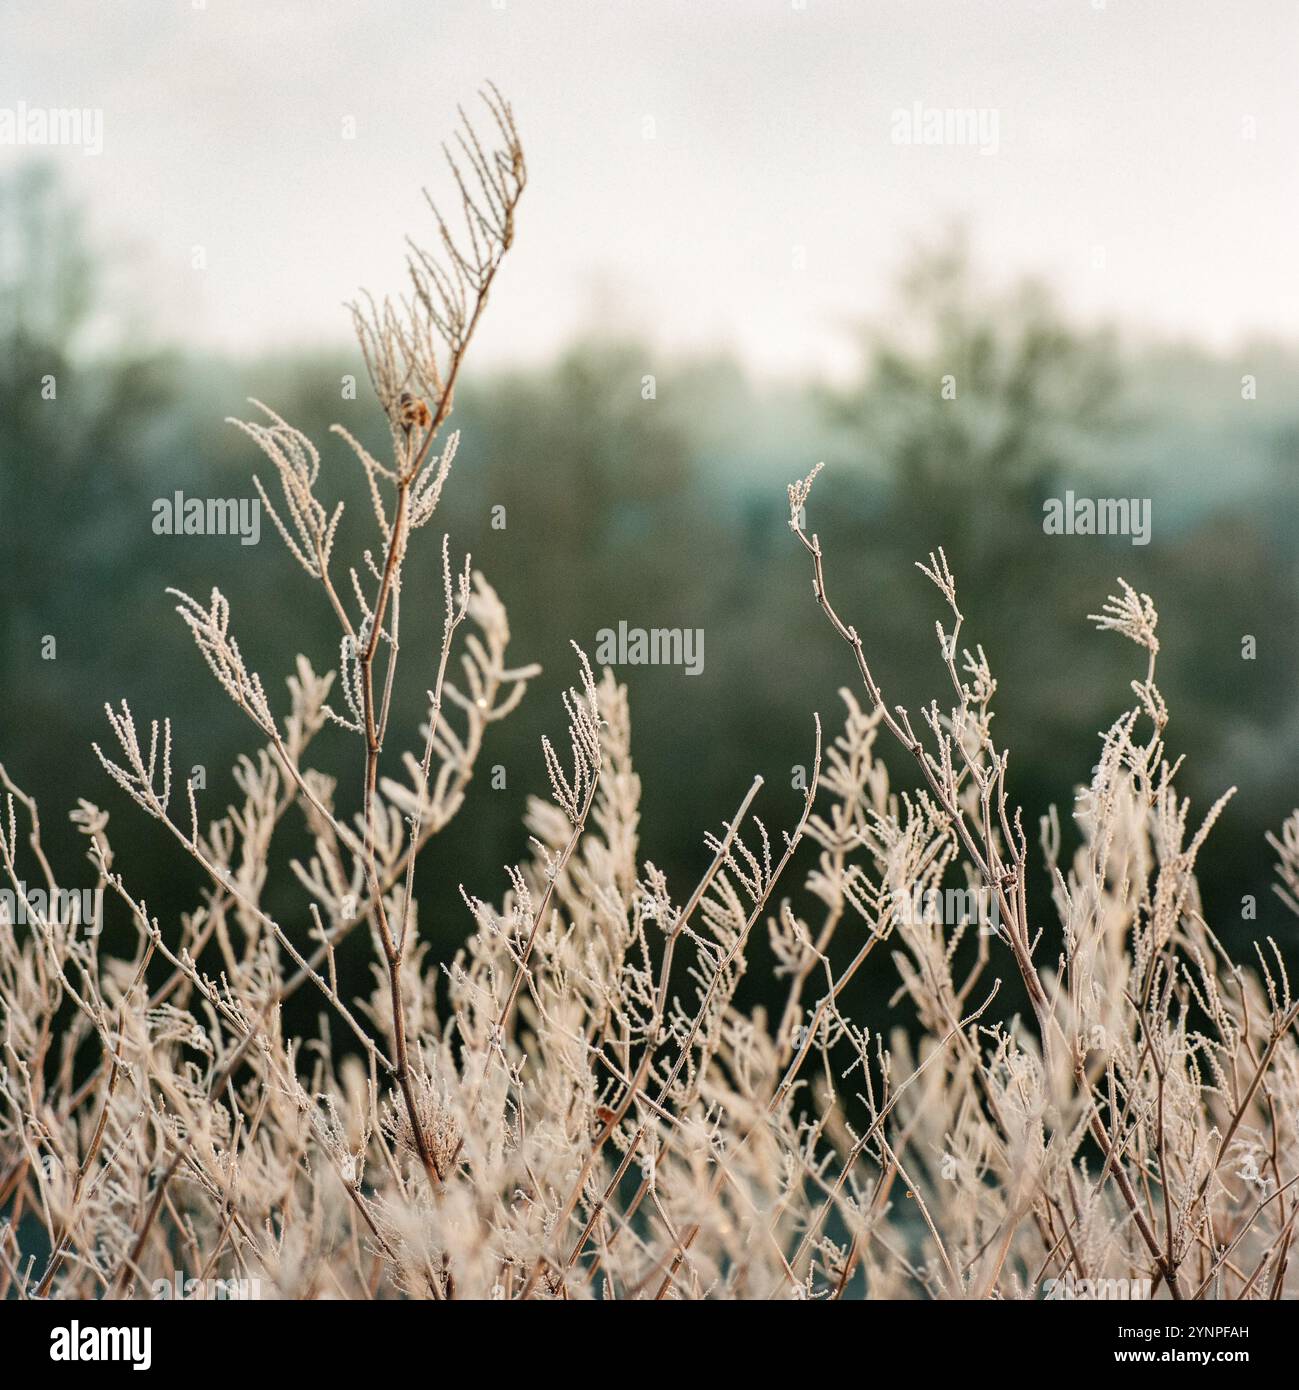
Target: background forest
644,487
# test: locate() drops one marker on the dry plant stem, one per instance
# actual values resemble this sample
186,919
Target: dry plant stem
736,948
392,947
521,964
455,615
394,942
92,1149
997,881
633,1091
539,916
877,1123
1013,909
130,1265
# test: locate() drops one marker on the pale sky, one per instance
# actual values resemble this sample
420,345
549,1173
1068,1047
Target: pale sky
771,205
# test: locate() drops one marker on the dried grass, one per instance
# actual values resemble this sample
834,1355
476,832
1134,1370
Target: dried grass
574,1106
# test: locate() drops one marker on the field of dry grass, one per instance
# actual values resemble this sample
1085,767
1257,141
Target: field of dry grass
575,1106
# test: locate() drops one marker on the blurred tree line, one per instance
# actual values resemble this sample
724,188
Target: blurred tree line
588,496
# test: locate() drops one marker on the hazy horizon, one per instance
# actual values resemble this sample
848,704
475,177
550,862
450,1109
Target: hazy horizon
1134,159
